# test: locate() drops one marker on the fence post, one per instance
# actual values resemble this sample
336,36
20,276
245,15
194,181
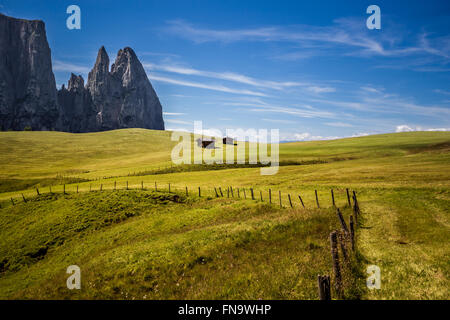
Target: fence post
77,188
232,194
301,201
323,283
317,199
24,200
279,196
290,202
336,265
348,198
253,196
228,192
270,196
220,190
199,192
239,196
342,236
245,195
260,193
169,187
355,200
355,207
114,185
332,198
187,194
156,187
37,191
341,219
215,190
352,233
142,185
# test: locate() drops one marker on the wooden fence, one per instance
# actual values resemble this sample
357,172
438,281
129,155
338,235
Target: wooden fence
342,242
231,192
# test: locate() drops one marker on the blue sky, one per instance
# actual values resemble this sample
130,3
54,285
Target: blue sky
310,68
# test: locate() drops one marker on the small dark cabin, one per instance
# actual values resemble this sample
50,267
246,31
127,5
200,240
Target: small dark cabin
228,140
206,144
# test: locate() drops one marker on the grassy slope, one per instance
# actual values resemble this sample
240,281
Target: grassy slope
149,248
402,181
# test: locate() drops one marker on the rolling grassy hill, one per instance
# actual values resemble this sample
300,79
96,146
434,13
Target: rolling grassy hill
147,244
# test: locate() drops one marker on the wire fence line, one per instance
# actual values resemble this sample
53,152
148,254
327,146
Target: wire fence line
283,199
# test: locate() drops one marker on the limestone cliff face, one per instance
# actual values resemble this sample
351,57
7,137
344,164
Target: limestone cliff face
77,113
140,106
118,98
27,83
123,97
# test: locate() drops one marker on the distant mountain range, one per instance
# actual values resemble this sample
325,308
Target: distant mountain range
122,97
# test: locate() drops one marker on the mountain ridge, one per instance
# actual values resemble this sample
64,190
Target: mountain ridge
116,98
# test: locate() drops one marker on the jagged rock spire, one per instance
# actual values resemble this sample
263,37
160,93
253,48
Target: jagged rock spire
120,98
98,77
140,109
75,83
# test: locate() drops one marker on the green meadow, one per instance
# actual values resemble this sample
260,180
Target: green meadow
142,243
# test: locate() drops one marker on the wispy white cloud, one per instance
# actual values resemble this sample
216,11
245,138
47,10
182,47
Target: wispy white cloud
347,35
297,55
360,134
305,136
200,85
228,76
339,124
300,34
438,129
399,105
403,128
69,67
158,54
303,113
261,106
278,120
407,128
442,92
371,89
181,96
388,104
432,69
177,121
173,113
316,89
439,46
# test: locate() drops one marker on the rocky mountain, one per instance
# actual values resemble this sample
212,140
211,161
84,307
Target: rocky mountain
122,97
76,111
27,83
